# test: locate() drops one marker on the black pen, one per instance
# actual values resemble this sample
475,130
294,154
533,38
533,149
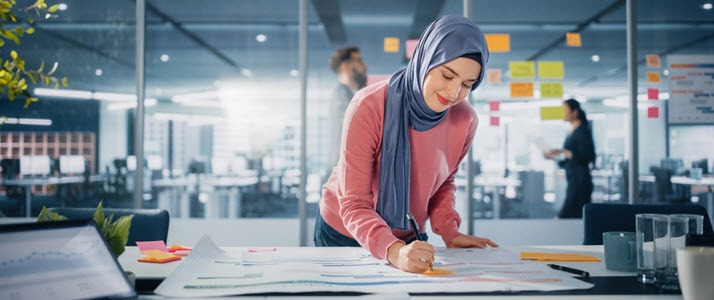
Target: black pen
570,270
415,228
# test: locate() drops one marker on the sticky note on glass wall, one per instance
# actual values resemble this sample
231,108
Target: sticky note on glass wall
495,121
409,47
494,105
653,112
572,39
391,44
653,61
522,69
551,69
552,113
653,94
498,42
493,75
653,77
551,90
521,89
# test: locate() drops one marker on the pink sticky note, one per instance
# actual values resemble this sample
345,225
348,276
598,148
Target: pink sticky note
261,249
152,245
495,121
653,112
653,94
494,105
182,252
376,78
410,46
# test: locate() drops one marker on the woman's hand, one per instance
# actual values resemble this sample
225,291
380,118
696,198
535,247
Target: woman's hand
470,241
568,154
552,152
416,257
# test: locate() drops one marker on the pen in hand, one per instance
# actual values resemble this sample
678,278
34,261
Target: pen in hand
415,228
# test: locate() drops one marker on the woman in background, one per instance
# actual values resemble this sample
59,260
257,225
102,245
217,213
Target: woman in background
575,157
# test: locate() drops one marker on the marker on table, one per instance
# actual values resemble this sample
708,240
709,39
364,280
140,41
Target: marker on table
570,270
415,228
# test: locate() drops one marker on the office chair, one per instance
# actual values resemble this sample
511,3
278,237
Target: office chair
664,191
147,224
599,218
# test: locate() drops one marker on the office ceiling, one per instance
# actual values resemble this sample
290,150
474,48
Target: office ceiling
214,41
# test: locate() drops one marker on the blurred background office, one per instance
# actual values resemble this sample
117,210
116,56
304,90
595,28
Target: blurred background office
222,113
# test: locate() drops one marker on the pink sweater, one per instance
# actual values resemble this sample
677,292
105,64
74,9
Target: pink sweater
349,196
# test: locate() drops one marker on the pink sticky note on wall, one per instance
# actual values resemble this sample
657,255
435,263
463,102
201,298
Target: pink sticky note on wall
653,94
494,105
152,245
653,112
376,78
409,46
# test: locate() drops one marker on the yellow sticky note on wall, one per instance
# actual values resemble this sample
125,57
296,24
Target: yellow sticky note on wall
521,89
653,77
551,90
572,39
391,44
522,69
552,113
551,69
498,42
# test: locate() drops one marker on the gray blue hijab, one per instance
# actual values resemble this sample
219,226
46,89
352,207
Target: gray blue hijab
445,39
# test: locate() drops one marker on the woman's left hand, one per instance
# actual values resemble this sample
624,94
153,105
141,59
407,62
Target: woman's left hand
470,241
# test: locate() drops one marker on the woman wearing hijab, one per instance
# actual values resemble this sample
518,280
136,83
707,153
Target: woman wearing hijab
575,157
401,146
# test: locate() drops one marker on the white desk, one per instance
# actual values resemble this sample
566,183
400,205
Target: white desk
691,181
160,271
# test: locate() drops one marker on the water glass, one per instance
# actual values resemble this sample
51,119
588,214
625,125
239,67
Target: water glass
650,227
696,223
666,277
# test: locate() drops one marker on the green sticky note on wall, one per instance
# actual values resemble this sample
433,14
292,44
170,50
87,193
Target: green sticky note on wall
552,113
551,90
522,69
551,69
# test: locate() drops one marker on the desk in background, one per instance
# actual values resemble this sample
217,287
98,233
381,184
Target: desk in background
28,183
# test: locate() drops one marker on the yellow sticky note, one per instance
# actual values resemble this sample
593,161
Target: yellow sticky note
521,89
493,75
653,77
438,272
552,113
522,69
551,90
551,69
572,39
391,44
653,61
498,42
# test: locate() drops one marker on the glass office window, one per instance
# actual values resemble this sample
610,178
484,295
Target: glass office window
72,133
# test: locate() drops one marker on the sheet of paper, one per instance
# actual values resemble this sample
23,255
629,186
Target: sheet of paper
551,69
152,245
521,69
498,42
209,271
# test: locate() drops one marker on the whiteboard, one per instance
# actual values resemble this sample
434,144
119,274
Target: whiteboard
691,91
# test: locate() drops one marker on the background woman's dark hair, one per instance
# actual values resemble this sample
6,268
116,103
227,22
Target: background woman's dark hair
575,105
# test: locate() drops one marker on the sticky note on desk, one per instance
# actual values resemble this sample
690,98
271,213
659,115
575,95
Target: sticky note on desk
438,272
545,256
152,245
175,247
157,256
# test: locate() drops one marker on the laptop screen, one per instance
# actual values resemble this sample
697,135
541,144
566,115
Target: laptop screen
58,260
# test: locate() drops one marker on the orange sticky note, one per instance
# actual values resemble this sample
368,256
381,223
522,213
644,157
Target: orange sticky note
175,247
156,256
521,89
500,42
391,44
572,39
493,75
438,272
653,61
653,77
545,256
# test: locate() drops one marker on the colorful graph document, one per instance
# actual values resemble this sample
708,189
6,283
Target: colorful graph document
209,271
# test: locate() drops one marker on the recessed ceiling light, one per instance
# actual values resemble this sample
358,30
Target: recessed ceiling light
707,6
294,73
246,73
261,38
665,72
164,57
98,72
62,6
595,58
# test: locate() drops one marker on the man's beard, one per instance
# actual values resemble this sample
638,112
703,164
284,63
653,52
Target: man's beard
360,78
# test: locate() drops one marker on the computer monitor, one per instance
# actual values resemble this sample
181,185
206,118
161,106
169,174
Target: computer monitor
9,168
703,164
59,260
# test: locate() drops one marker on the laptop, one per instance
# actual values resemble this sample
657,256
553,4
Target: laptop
59,260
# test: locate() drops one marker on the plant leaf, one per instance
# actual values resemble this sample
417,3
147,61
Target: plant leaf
120,234
99,216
